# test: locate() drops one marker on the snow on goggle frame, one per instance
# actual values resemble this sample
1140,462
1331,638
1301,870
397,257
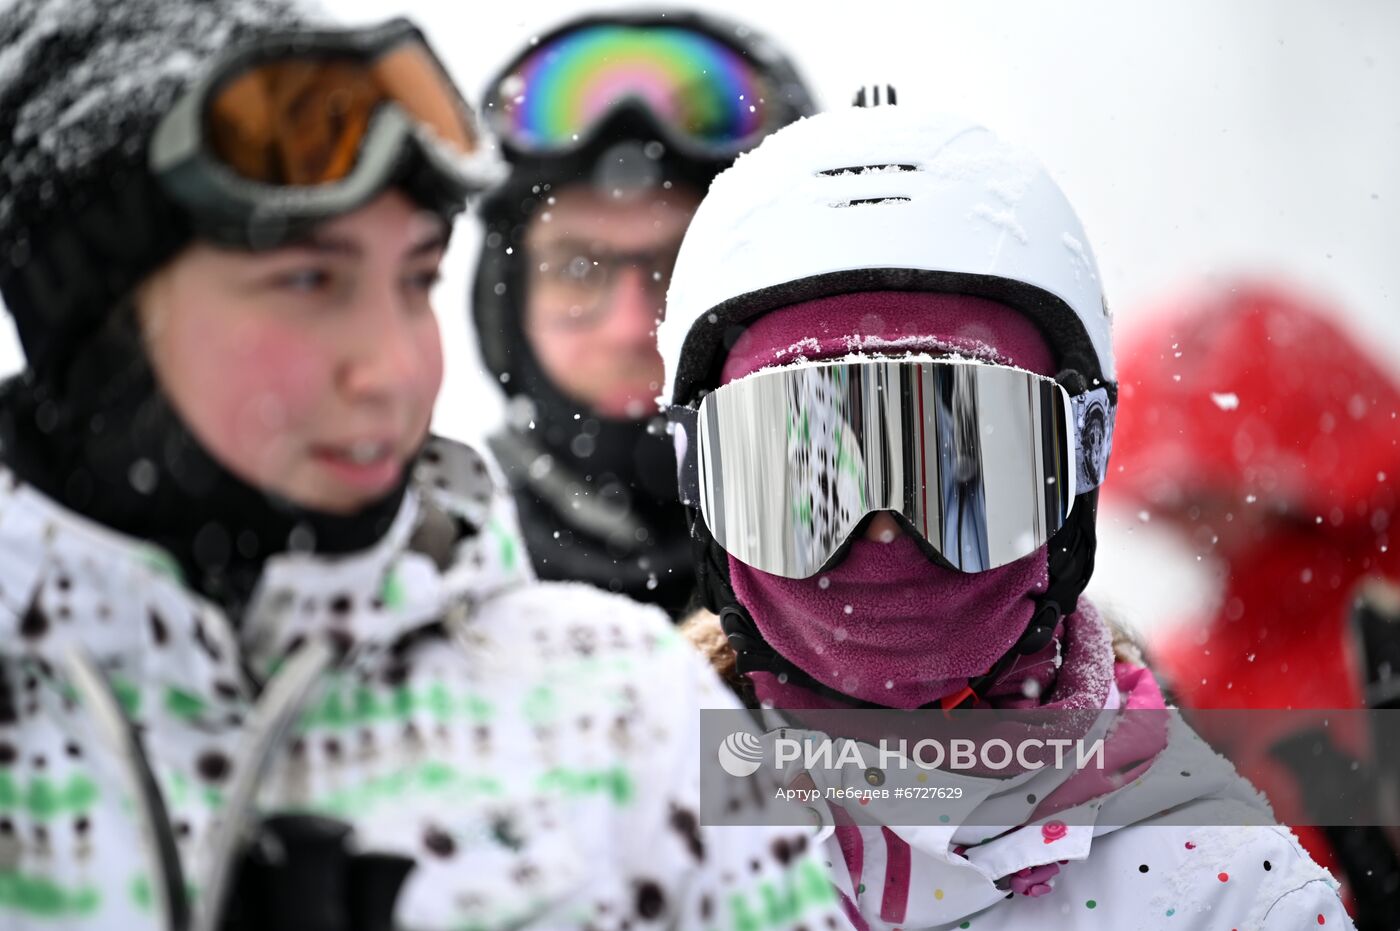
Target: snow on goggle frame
308,125
982,462
707,95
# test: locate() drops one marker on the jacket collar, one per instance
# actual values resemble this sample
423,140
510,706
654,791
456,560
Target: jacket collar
67,581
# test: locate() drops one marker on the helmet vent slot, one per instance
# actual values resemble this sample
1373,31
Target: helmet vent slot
866,169
870,201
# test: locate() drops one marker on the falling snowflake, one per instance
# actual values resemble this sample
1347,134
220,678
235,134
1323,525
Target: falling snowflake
1226,401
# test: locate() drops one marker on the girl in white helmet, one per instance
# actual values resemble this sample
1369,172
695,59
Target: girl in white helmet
892,389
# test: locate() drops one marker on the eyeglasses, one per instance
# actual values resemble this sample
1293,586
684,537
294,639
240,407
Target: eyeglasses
572,284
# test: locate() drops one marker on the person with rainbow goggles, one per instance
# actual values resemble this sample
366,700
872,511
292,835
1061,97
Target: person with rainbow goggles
613,126
270,655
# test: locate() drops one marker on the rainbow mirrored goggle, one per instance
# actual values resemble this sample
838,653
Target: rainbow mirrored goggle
302,127
706,93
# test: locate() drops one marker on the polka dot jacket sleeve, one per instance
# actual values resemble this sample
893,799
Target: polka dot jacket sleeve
740,878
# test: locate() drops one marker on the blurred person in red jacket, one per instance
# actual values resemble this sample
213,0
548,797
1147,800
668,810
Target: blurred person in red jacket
1257,428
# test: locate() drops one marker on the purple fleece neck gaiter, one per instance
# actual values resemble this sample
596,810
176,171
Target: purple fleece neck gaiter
887,625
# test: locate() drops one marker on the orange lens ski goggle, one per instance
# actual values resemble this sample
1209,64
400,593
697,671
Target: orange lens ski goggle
307,126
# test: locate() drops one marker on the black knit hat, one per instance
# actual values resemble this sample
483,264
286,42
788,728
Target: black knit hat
83,84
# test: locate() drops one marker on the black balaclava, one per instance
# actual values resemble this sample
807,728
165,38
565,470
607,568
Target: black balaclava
596,495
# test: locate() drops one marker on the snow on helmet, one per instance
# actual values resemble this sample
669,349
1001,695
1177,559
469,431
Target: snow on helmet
881,198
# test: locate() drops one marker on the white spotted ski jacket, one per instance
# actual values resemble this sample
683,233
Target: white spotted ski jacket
530,746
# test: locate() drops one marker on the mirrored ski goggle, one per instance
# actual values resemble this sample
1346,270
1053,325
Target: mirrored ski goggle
706,94
309,125
982,462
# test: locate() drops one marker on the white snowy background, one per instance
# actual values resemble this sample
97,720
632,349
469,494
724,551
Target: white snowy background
1195,138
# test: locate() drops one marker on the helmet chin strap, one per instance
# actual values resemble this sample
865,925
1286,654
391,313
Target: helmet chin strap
1071,563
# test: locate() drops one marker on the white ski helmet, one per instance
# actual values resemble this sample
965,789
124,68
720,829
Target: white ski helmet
881,198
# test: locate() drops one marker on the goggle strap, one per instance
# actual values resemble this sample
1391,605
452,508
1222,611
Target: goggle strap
1093,413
